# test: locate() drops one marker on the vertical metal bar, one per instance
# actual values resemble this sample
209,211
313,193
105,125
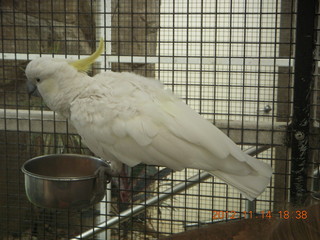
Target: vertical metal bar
303,79
283,80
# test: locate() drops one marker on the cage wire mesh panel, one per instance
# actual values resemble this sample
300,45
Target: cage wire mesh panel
231,61
226,51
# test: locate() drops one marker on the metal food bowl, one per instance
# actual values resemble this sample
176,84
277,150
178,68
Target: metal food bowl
64,181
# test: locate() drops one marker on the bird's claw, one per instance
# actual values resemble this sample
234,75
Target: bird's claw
105,173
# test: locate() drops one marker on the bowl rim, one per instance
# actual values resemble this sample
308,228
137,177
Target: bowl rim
51,178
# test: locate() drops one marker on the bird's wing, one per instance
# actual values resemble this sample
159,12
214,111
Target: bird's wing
138,121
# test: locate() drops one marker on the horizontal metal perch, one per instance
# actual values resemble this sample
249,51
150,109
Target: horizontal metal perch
159,198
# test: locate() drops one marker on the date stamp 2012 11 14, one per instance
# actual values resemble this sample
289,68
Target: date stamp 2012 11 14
286,214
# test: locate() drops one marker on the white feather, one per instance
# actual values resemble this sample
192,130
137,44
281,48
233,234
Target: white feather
152,126
129,118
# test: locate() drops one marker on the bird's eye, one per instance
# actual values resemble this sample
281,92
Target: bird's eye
38,79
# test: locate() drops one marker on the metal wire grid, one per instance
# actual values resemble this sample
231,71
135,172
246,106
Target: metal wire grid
242,91
230,61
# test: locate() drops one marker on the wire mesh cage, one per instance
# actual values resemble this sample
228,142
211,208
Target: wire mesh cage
249,67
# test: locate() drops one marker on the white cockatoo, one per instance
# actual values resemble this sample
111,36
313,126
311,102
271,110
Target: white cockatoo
131,119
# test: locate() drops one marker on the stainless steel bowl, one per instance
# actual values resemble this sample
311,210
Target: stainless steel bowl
63,181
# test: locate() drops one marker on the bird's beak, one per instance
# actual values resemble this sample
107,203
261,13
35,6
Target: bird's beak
32,89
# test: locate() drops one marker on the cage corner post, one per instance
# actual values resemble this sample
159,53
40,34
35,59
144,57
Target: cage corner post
303,79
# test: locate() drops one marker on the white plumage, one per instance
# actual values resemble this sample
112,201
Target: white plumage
123,117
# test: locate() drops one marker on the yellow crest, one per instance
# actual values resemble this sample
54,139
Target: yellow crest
83,65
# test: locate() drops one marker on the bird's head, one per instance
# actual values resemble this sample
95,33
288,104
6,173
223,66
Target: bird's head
47,76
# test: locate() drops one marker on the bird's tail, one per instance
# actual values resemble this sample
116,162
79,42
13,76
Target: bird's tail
251,185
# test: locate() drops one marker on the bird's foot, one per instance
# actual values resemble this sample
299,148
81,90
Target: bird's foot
105,173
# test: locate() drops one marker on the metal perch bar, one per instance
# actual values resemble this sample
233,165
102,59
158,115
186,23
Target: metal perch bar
159,198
